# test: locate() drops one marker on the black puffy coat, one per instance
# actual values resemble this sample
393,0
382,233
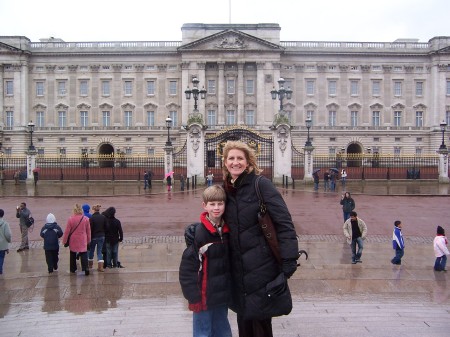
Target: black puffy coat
206,283
252,263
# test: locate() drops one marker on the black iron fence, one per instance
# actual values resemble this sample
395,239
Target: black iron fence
124,167
377,166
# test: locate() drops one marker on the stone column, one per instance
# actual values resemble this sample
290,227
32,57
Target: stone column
282,153
309,160
443,166
31,165
240,94
168,159
196,152
221,89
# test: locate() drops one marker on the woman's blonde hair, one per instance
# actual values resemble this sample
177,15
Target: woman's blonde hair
249,153
77,209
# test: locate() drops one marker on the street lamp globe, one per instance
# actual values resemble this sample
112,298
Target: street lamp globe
443,126
31,126
308,123
168,126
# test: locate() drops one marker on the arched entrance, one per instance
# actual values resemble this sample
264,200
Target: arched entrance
106,155
354,151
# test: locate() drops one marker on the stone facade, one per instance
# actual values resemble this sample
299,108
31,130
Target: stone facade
104,97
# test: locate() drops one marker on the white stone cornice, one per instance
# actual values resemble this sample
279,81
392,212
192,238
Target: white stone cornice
39,106
398,106
420,106
83,106
105,106
127,106
150,105
61,106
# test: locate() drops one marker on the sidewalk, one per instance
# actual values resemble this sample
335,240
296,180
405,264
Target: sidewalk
331,296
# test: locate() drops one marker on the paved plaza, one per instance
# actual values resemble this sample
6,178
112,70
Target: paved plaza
332,297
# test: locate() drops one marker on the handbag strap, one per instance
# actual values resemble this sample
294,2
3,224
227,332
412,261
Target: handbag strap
71,232
267,227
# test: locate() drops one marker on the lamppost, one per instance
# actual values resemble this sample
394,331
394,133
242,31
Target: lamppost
281,93
308,122
168,126
31,130
195,92
443,126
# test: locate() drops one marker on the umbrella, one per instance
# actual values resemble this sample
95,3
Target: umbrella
316,170
37,169
334,169
169,174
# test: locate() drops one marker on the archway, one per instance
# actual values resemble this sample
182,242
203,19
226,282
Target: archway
354,150
106,155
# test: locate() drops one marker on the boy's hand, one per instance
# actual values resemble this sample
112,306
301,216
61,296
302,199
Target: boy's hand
289,267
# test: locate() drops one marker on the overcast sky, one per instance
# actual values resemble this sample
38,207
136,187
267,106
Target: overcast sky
161,20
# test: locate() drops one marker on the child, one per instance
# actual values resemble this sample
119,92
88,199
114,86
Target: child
440,250
113,235
398,243
205,269
5,239
51,232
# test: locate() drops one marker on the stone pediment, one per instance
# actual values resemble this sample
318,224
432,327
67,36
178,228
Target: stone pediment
7,48
230,40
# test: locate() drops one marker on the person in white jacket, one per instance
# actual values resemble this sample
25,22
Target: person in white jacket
440,249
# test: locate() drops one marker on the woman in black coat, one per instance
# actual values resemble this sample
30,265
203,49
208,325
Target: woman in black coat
253,264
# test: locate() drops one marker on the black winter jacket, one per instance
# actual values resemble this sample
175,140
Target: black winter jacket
206,283
253,264
114,232
51,232
98,225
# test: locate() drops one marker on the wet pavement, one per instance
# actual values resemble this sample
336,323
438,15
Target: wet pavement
332,297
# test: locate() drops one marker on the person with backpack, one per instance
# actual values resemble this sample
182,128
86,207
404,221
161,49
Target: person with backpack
51,232
205,272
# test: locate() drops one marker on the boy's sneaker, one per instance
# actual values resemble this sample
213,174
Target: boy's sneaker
358,261
353,261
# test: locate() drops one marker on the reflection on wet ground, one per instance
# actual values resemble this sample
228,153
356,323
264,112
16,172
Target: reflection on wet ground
331,296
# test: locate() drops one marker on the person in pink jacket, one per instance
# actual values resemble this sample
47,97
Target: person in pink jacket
79,230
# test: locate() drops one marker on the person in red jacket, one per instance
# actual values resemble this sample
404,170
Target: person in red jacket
205,274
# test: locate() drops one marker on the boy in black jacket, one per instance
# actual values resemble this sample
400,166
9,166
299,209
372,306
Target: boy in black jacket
205,269
51,232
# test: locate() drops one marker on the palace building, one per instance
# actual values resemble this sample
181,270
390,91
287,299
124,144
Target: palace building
114,97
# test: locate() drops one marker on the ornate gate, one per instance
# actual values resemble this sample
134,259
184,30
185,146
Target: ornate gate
180,161
214,143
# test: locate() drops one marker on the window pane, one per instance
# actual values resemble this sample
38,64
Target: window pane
376,88
250,117
128,118
39,88
211,118
84,118
211,87
230,87
310,87
397,118
150,87
9,88
83,88
250,87
332,88
375,118
172,87
354,118
174,116
106,118
9,119
230,117
40,119
397,88
150,118
62,119
105,88
332,118
128,91
419,88
354,90
62,88
419,119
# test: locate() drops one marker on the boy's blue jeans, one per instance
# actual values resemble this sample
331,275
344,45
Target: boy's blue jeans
213,322
398,256
99,243
440,263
